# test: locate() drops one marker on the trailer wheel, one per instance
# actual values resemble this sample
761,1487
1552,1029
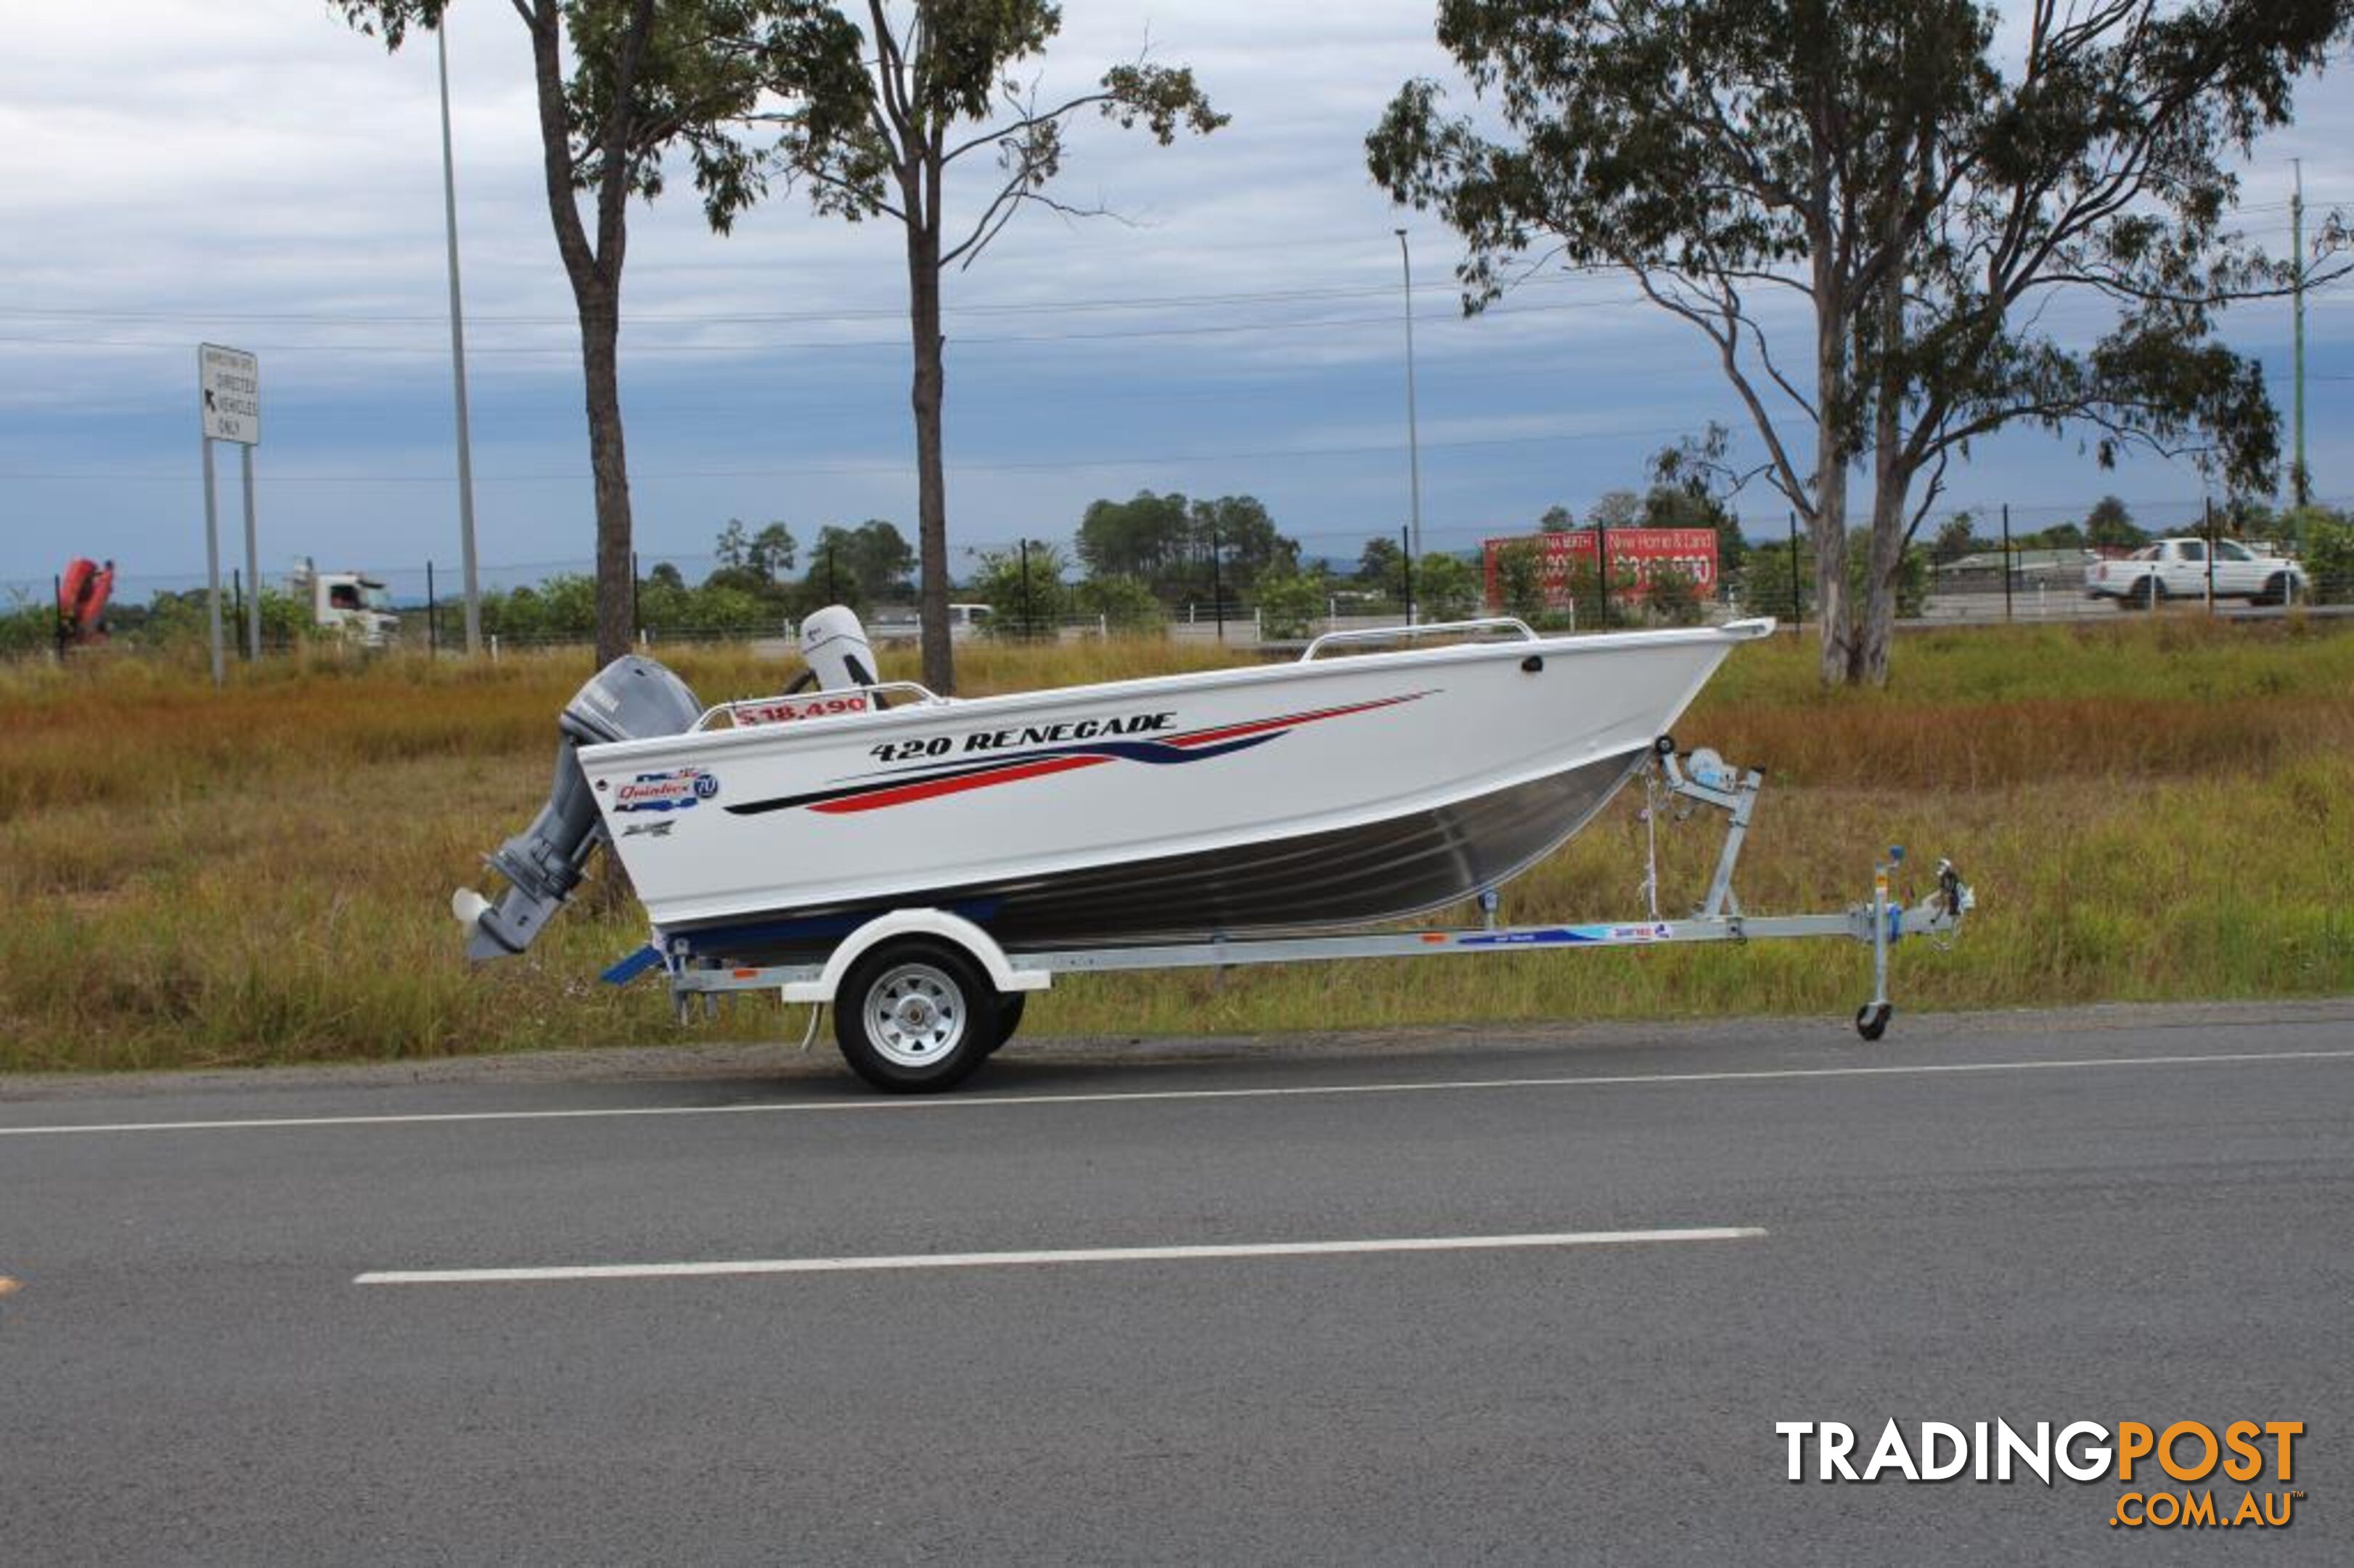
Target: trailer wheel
1009,1017
1871,1019
915,1016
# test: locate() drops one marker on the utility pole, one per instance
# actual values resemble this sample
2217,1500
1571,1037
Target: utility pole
1602,569
2300,482
1217,582
2005,563
1027,629
1405,538
1412,432
2211,555
458,360
1798,599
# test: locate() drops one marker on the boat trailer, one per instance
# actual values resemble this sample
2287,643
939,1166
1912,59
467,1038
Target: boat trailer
908,1009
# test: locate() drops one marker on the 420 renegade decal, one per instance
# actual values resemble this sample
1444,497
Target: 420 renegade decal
1106,742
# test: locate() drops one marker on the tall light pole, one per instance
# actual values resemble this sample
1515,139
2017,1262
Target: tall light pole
458,359
2300,478
1412,434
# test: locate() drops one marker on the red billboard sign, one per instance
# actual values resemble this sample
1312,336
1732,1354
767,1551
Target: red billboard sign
1636,553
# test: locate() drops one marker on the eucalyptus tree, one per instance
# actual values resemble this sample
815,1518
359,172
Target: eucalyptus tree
876,105
1896,231
619,84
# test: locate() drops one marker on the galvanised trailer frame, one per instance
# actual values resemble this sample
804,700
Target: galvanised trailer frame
897,1024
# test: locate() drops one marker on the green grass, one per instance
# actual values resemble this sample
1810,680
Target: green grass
2150,809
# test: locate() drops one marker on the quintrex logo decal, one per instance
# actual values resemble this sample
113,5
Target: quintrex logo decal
1007,755
679,789
2260,1457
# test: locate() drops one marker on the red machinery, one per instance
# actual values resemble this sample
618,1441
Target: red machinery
82,594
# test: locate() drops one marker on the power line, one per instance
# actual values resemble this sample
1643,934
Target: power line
1079,465
828,346
895,312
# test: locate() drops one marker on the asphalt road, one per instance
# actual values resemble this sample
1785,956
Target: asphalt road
2100,1216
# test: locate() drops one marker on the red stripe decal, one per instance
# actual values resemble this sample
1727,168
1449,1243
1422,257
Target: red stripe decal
1260,726
939,787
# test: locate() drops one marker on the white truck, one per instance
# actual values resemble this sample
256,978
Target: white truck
2181,568
351,604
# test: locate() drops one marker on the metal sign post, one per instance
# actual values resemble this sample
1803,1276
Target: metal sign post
252,562
212,563
229,393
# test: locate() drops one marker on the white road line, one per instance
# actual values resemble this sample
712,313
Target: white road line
991,1102
1011,1259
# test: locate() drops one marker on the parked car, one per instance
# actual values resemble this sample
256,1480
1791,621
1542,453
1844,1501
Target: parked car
2181,568
896,625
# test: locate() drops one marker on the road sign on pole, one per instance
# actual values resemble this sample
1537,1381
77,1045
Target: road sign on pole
228,405
228,387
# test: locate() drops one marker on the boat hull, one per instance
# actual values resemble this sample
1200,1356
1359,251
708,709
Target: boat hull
1326,793
1390,869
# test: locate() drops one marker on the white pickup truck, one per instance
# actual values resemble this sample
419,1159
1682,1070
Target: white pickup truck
2179,568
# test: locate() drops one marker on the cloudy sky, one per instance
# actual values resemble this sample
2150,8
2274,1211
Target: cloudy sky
252,173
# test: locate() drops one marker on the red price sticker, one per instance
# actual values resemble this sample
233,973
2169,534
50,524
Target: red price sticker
790,710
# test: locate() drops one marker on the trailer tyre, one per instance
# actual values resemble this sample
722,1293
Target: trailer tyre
1009,1016
1871,1019
914,1016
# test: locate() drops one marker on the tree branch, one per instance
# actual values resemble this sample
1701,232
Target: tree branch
1728,352
1028,120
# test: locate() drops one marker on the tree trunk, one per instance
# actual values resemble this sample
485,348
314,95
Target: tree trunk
1891,472
931,475
596,278
1878,632
1828,520
600,332
1890,480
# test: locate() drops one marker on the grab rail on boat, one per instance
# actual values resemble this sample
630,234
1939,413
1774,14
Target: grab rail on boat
793,706
1385,633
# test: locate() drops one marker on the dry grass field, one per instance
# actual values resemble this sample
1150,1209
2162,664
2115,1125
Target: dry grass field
2157,807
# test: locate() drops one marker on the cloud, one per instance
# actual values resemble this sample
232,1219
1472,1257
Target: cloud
260,174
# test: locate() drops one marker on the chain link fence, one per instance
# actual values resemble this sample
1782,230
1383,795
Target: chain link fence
699,599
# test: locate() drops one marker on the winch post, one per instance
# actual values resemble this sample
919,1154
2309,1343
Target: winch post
1722,899
1739,804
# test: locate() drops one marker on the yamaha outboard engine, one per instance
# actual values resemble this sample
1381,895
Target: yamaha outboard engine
629,699
835,648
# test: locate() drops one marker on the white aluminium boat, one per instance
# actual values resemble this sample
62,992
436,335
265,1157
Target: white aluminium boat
1349,786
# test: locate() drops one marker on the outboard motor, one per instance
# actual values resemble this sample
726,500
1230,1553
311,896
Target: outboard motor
629,699
834,646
